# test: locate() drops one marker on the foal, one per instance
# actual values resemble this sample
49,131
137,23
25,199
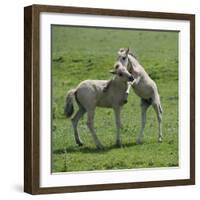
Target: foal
90,94
144,87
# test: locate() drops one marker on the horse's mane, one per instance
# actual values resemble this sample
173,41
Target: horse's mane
132,54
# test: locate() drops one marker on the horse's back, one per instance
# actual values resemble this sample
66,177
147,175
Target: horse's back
89,91
92,86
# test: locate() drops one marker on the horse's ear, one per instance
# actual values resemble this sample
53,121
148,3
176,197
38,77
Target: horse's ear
112,71
116,66
127,51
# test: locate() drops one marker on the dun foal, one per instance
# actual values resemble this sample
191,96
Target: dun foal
144,87
90,94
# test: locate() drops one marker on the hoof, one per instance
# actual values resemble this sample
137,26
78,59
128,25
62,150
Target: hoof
138,141
160,140
118,145
79,143
100,147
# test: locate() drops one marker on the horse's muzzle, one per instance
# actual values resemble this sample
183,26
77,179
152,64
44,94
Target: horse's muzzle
125,101
131,78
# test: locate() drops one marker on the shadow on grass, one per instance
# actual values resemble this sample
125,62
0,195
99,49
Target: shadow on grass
84,149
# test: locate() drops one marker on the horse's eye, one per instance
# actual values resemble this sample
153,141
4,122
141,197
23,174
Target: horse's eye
120,74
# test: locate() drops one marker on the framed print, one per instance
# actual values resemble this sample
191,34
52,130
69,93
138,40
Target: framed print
109,99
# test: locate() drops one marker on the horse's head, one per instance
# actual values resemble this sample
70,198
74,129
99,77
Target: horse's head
121,72
123,56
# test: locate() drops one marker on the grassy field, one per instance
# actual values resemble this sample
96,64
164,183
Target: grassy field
88,53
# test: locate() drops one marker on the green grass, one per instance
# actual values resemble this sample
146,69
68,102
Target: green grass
89,53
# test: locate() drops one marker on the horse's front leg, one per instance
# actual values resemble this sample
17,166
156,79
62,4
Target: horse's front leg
129,87
127,91
118,123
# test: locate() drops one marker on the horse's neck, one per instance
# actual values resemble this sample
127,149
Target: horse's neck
134,64
118,85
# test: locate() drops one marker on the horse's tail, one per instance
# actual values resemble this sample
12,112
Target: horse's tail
69,108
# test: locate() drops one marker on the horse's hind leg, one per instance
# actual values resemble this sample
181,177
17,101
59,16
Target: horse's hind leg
118,123
144,106
158,110
75,121
90,124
